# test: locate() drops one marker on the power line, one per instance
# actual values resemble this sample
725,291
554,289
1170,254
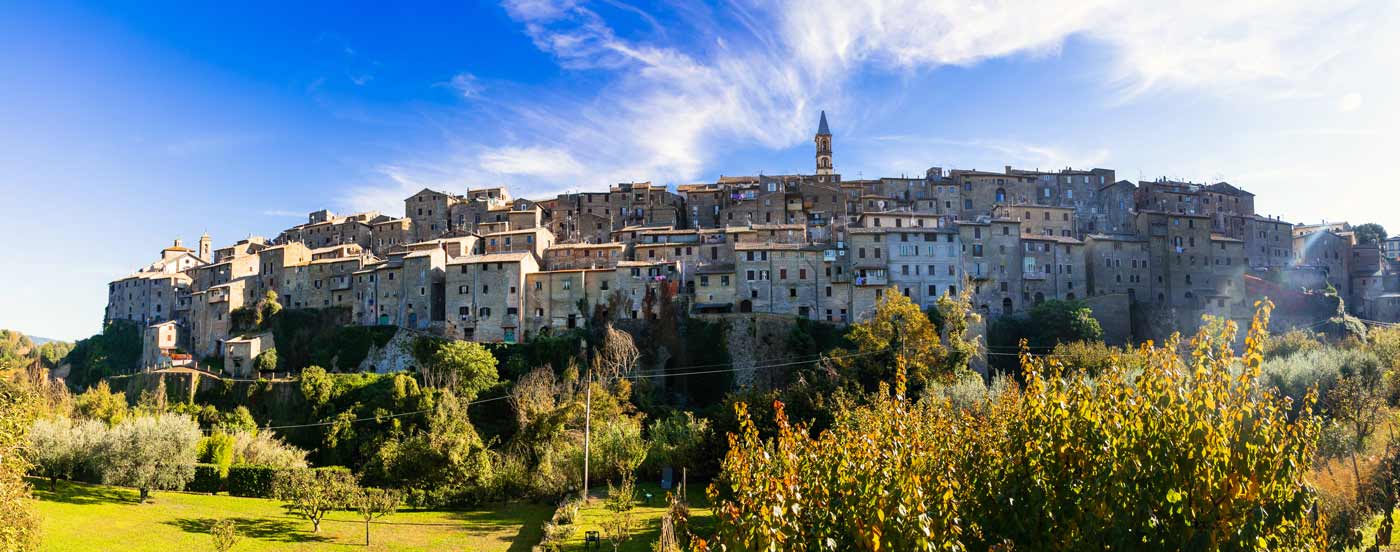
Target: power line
377,418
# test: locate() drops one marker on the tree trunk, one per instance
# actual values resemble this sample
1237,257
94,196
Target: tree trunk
53,484
366,532
1387,526
315,525
145,492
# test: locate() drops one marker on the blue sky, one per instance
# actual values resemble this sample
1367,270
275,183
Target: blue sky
123,127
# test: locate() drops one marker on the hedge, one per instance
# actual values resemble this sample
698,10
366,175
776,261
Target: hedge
206,479
251,480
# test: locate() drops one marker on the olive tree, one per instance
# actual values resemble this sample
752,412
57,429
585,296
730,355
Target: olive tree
151,453
60,448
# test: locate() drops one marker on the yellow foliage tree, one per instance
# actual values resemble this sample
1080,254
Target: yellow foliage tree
1190,454
898,337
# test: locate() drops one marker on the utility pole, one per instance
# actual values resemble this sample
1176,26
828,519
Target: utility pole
587,428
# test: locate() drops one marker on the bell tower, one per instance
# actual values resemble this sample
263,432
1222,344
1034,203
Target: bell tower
823,140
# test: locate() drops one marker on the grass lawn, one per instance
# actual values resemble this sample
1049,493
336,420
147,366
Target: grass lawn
647,517
92,517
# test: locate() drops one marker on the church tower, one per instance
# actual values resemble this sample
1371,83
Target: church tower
205,248
823,140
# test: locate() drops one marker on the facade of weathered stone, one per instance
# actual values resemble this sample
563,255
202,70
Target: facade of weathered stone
482,265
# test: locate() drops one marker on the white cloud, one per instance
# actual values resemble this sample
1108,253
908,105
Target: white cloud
668,110
1349,102
282,213
530,162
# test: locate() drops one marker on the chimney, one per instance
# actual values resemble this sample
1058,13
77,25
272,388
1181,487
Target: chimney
1008,169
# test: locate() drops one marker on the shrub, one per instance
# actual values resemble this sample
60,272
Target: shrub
680,440
207,479
263,449
252,480
217,449
1296,374
266,361
1291,342
1066,463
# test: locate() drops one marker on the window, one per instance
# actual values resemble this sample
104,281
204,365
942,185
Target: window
748,275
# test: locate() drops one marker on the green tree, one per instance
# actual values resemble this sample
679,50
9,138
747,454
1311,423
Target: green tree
101,403
1370,233
953,316
465,367
897,337
151,453
1058,321
52,353
266,361
316,386
314,493
19,527
373,503
268,307
680,440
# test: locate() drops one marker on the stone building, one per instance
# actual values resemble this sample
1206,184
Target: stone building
1268,243
1052,267
387,235
484,298
1117,264
1328,254
572,256
1116,204
783,278
645,204
164,345
1179,248
533,240
980,191
277,271
1041,220
429,213
552,297
240,353
211,317
715,290
642,283
1225,295
991,259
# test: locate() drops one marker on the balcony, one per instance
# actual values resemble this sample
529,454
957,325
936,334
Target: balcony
873,278
1035,276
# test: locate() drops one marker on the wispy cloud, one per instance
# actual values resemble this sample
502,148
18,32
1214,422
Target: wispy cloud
669,110
283,213
466,84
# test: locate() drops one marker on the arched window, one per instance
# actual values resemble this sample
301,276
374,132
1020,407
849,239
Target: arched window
1039,297
1001,195
1006,306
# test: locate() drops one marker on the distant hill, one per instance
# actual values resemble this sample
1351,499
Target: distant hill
41,340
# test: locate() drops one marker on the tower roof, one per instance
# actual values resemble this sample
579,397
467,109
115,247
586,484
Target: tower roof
821,128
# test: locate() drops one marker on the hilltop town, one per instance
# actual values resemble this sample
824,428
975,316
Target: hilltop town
484,266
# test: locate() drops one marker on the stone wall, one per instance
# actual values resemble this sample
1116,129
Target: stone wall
1114,313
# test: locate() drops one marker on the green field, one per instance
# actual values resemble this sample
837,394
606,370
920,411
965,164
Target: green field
92,517
646,516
